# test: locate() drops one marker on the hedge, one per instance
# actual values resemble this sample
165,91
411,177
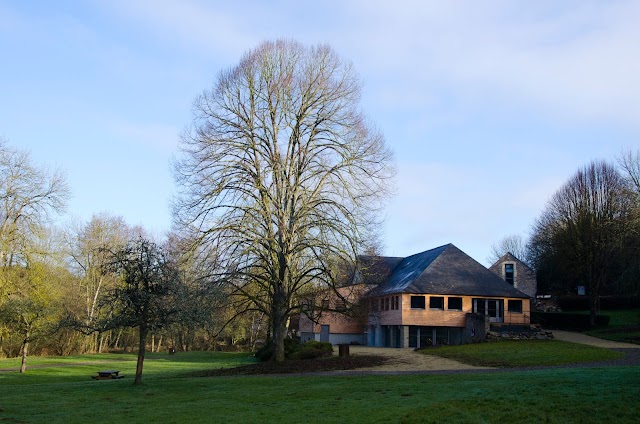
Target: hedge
582,303
567,321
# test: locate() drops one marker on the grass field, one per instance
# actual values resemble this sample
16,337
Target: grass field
59,390
523,353
624,326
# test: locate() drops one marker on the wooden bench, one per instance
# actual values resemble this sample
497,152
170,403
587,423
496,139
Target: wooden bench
107,375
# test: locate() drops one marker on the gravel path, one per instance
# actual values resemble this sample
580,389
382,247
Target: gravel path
407,361
570,336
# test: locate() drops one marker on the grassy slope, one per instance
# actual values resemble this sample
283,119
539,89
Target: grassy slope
523,353
624,326
66,394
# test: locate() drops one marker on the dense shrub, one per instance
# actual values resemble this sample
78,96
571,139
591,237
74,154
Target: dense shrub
312,350
564,321
582,303
619,302
266,352
309,354
574,303
322,346
293,349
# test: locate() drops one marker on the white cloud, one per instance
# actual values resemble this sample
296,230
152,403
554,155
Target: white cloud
192,24
574,60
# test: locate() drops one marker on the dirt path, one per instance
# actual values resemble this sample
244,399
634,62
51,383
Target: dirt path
407,360
570,336
403,360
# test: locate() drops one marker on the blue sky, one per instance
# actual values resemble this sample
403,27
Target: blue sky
489,106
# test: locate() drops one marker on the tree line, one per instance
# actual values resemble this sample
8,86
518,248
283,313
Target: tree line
588,234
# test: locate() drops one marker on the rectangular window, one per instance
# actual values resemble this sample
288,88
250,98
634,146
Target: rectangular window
397,299
515,306
436,302
340,305
325,304
455,303
417,302
386,303
509,273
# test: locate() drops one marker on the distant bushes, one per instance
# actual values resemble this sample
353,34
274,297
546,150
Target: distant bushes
581,303
293,349
567,321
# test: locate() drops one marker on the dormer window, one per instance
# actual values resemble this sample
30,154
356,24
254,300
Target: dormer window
509,273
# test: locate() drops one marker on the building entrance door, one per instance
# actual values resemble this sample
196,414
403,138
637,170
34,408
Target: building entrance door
324,333
494,308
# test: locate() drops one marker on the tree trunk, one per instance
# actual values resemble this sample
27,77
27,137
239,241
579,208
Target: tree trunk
115,344
279,320
159,344
25,348
593,310
141,351
594,292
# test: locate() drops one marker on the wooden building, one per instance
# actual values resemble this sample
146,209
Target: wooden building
440,296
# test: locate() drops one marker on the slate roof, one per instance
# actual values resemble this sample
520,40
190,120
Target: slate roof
511,258
375,270
444,270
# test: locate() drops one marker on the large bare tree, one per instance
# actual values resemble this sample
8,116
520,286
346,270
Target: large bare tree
282,176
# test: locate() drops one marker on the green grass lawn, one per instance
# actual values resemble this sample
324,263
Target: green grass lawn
63,393
624,326
523,353
81,367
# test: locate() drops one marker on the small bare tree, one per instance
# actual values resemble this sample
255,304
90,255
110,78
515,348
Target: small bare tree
630,164
513,244
281,176
148,297
28,196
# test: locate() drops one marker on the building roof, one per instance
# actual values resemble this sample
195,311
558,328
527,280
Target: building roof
508,257
375,270
444,270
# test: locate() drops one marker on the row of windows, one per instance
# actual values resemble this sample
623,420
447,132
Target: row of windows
389,303
436,302
340,305
455,303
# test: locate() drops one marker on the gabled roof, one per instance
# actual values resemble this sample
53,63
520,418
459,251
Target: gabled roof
445,270
508,257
